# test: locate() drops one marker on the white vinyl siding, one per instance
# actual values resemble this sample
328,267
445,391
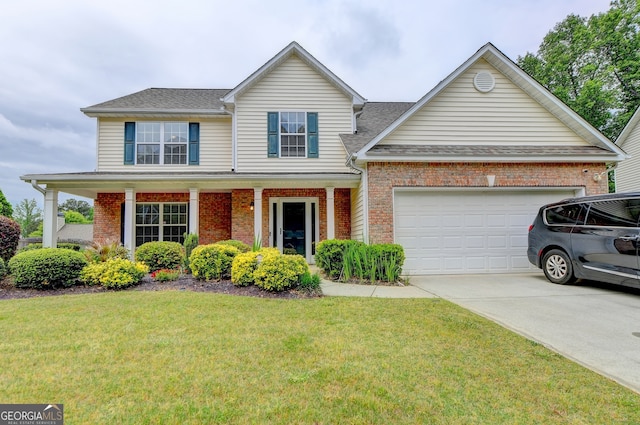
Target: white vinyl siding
462,115
215,146
357,213
292,86
628,171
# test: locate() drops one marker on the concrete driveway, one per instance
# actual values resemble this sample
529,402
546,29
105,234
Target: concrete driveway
593,324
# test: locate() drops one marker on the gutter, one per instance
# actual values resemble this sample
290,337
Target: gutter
234,139
34,183
364,187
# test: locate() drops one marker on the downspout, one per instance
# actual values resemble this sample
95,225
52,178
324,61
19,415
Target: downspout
364,187
234,138
34,183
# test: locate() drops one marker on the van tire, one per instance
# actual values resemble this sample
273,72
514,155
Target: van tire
557,267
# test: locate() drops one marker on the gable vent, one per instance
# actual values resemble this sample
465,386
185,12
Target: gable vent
484,82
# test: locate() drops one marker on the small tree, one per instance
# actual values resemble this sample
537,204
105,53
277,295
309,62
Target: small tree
82,207
9,237
5,207
28,215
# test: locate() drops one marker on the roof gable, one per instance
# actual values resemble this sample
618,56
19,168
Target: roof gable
629,128
517,76
293,49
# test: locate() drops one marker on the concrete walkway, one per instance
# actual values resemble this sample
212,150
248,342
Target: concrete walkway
595,325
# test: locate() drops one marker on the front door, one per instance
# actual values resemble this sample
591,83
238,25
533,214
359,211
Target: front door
294,225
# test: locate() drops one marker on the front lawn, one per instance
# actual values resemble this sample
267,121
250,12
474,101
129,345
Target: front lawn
179,357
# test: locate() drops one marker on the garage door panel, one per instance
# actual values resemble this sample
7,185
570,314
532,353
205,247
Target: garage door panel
467,232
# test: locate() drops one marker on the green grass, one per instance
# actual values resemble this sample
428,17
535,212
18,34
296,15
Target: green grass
191,358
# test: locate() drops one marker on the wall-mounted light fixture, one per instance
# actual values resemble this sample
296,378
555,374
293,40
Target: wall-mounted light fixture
491,180
251,206
598,176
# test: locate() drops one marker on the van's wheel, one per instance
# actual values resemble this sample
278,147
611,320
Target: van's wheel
557,267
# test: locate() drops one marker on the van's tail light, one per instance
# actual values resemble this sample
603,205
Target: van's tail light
530,227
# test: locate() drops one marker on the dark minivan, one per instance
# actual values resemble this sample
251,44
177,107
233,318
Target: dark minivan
592,237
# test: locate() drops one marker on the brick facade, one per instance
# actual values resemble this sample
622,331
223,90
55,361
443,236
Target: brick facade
214,217
384,176
107,217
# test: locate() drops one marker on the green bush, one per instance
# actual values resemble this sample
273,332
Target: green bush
330,255
115,273
243,267
213,261
280,272
161,255
389,259
65,245
191,240
9,237
3,269
47,268
310,283
242,247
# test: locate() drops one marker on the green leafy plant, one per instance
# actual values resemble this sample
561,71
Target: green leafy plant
165,275
115,273
257,243
243,268
310,283
330,256
213,261
9,237
161,255
47,268
280,272
191,241
99,253
242,247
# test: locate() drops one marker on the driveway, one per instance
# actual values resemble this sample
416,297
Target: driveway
593,324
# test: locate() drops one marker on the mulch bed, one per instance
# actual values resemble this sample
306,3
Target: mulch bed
184,283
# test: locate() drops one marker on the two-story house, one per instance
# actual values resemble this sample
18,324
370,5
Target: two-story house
293,155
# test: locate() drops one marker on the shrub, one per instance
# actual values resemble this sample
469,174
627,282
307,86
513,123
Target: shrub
3,269
310,283
115,273
243,267
47,268
330,255
280,272
389,259
9,237
99,253
161,255
212,262
191,241
242,247
165,275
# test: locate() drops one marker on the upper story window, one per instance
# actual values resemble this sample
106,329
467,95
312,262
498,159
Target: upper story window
292,134
149,142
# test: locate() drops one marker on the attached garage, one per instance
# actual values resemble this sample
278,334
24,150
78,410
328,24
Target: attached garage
467,231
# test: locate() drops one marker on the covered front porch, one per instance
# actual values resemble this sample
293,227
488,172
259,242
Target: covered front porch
288,211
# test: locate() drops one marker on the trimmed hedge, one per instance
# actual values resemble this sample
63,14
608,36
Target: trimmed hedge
242,247
280,272
64,245
213,261
114,273
9,237
161,255
243,267
47,268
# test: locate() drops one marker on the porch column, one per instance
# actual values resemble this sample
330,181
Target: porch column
194,211
129,220
257,214
331,219
50,222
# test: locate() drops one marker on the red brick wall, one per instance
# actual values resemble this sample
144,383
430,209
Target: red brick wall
384,176
242,216
106,217
342,207
215,217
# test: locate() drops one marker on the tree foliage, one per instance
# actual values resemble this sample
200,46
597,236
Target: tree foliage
5,207
593,65
83,207
29,215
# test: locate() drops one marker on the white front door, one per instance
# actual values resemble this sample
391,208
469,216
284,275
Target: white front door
294,226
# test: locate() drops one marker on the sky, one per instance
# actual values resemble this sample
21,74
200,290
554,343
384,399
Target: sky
59,56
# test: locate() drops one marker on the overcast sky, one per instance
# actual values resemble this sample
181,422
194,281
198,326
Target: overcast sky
59,56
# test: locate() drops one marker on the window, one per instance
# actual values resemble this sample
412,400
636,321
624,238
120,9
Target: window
149,142
614,213
161,222
292,134
566,214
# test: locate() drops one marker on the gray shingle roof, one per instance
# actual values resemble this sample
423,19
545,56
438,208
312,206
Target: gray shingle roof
375,117
484,151
161,99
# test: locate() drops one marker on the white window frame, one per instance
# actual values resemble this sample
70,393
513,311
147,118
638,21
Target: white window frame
304,134
161,221
162,143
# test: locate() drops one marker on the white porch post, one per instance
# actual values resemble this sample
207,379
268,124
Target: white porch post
331,219
194,211
129,220
257,214
50,222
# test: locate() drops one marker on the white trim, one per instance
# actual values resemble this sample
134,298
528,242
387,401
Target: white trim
194,211
129,220
50,222
628,128
331,219
309,201
257,213
501,159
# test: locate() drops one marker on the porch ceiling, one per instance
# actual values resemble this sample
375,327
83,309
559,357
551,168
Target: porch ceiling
90,184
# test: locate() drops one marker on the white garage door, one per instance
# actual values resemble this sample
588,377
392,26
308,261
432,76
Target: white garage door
467,232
